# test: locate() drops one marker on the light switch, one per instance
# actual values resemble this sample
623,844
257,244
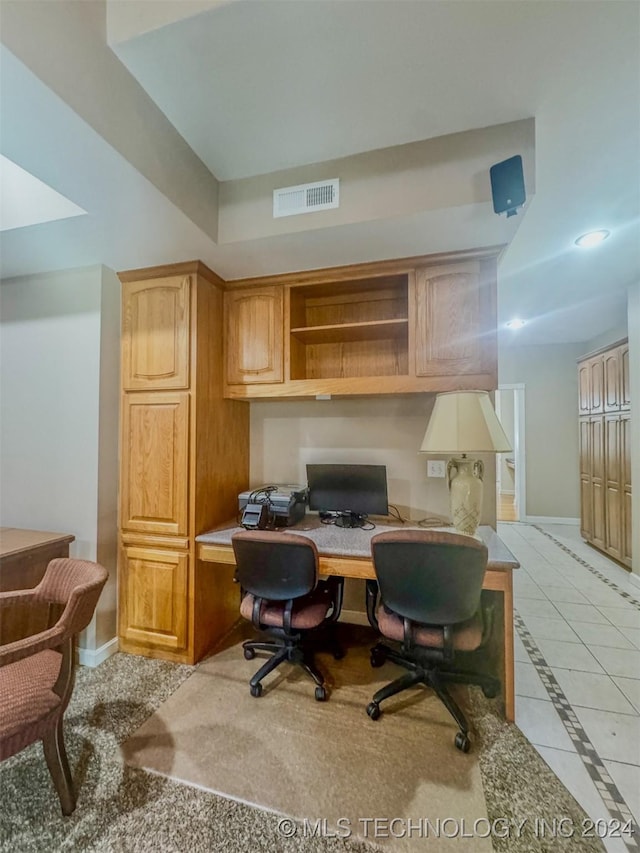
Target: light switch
436,468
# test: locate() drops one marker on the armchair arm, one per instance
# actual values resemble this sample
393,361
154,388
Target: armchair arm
49,639
11,597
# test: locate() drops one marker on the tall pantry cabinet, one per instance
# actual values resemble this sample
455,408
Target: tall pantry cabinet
184,457
605,450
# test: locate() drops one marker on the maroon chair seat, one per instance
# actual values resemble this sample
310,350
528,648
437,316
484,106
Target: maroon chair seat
37,672
466,636
306,613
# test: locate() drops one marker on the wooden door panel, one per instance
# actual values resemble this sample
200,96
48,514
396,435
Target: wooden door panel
597,514
596,382
449,321
611,377
584,439
625,386
584,388
586,508
155,334
154,597
155,444
254,335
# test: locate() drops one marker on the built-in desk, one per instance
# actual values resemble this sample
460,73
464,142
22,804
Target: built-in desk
347,552
24,557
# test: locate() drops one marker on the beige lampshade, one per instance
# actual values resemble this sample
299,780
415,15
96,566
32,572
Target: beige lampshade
464,422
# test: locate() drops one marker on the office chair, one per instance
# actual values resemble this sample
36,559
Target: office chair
430,584
278,573
37,672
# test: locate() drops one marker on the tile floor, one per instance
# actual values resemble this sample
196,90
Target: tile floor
578,669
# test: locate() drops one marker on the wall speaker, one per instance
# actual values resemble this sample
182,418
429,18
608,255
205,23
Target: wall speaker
507,185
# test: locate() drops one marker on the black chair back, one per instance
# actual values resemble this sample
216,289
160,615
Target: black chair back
429,576
275,566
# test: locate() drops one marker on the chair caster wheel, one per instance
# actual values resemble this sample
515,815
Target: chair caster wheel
490,691
249,654
373,710
321,694
377,658
255,690
462,742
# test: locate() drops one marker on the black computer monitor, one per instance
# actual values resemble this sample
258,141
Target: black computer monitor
351,492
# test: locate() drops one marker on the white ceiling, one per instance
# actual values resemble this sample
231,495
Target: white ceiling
258,87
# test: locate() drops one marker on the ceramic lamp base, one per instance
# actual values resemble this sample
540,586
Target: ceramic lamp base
465,493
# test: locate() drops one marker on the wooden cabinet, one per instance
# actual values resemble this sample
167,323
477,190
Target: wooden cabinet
154,604
452,311
253,335
155,334
605,452
184,457
155,452
418,324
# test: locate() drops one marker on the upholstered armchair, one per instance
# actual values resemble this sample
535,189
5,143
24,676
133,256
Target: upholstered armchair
37,672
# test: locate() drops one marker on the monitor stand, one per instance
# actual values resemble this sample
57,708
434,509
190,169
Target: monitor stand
350,519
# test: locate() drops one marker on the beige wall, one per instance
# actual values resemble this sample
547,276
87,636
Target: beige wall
549,374
450,171
607,338
59,371
286,435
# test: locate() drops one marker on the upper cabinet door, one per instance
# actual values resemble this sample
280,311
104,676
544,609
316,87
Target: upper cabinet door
625,386
596,371
453,329
584,388
155,334
611,374
254,335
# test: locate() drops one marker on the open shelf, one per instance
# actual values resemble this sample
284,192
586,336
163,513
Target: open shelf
373,330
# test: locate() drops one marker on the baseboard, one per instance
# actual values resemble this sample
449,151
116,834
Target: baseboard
86,657
353,617
549,519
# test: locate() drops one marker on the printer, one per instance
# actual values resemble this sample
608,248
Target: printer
272,505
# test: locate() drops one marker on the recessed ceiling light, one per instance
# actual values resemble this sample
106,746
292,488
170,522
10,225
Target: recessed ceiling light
516,323
592,238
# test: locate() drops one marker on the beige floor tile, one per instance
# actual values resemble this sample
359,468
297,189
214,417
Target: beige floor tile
580,612
622,617
623,662
569,768
537,607
614,736
631,689
539,722
565,593
551,629
568,655
632,634
627,780
528,682
601,635
592,690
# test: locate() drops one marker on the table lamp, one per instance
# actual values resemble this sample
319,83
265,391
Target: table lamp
464,422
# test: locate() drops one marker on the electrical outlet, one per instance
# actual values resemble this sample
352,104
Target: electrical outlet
436,468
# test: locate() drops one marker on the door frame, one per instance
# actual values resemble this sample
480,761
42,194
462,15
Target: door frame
519,453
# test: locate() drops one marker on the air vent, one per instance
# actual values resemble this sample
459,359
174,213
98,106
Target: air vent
306,198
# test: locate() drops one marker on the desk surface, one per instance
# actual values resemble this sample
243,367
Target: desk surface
15,540
355,543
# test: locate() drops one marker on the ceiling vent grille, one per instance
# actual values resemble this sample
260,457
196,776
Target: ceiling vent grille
306,198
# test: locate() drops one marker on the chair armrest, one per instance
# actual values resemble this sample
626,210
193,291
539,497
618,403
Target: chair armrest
372,600
18,649
11,597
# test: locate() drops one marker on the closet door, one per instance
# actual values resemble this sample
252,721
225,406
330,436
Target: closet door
613,491
596,426
586,499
